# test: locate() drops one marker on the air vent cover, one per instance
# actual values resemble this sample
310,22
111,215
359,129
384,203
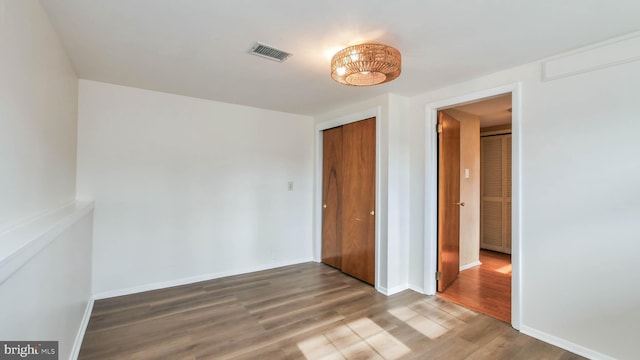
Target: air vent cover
268,52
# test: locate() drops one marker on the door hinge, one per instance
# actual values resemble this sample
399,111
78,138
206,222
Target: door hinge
438,275
439,128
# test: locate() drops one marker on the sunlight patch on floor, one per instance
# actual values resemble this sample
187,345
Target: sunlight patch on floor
318,347
504,269
418,322
362,338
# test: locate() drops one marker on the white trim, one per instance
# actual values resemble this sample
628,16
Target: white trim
431,191
565,344
22,242
616,51
382,290
342,120
194,279
431,201
470,265
393,290
516,210
77,344
6,228
417,289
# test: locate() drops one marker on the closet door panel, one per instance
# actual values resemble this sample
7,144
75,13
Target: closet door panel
495,184
331,185
358,200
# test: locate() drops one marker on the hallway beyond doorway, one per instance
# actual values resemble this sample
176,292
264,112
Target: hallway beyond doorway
485,288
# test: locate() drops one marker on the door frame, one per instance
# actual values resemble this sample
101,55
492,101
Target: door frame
380,211
431,190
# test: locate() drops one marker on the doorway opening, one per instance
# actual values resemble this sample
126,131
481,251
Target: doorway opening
474,267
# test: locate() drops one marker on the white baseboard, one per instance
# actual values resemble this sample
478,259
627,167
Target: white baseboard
194,279
382,290
75,350
565,344
400,288
393,290
418,289
470,265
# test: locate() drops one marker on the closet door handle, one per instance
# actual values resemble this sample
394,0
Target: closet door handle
460,203
372,212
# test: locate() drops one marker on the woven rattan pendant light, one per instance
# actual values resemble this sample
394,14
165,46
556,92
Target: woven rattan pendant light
366,64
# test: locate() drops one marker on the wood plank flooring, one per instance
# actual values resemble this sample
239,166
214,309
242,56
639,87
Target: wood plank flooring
306,311
485,288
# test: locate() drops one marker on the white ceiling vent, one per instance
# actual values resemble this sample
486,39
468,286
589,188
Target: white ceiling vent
268,52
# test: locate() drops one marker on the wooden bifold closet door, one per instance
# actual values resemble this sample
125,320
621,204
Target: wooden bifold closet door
348,193
331,197
495,185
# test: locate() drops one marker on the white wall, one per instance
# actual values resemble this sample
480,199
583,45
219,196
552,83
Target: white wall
580,197
398,195
45,275
579,214
188,189
38,112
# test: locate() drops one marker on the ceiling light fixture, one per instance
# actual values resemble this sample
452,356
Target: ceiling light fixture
366,64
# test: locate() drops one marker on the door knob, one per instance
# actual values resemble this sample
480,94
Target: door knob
324,206
372,212
460,203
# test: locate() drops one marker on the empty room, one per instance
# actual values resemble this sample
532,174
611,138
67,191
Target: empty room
186,179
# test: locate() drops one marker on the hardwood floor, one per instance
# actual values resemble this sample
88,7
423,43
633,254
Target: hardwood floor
485,288
303,311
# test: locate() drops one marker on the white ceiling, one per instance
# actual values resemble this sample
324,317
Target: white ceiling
200,48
